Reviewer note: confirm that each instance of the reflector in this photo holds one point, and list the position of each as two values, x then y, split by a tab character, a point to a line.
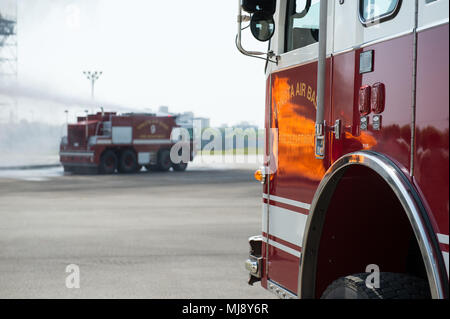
377	98
364	100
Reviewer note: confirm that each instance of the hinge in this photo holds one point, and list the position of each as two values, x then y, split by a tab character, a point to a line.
319	139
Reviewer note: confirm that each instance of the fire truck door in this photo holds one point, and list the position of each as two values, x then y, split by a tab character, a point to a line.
290	114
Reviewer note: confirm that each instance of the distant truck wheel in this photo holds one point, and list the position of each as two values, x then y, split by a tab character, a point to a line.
179	167
128	162
68	169
108	163
164	162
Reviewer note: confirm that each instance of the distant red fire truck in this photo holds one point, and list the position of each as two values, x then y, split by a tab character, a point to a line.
356	174
107	142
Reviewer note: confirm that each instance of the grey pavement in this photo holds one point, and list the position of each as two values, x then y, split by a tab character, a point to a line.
148	235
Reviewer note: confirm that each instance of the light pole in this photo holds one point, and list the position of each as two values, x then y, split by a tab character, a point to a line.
67	117
92	76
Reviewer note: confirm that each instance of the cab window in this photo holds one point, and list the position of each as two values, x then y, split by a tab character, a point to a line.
302	24
377	10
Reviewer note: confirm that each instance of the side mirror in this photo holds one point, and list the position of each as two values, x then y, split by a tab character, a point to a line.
262	26
253	6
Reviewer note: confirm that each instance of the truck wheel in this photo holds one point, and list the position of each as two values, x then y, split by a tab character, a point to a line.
108	163
68	169
164	162
392	286
128	162
180	167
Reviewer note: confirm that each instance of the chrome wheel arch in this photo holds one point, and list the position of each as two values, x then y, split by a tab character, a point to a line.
410	201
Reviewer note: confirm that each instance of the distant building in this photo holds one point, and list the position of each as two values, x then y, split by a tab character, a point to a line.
245	125
185	119
163	109
205	122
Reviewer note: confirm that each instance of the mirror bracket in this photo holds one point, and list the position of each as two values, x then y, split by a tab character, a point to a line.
254	54
243	18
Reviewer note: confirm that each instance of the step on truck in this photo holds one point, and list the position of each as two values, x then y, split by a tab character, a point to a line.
355	182
106	143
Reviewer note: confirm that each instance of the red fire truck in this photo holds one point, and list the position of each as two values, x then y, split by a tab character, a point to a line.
106	142
356	170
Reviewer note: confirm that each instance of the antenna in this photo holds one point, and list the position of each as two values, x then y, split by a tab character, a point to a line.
8	46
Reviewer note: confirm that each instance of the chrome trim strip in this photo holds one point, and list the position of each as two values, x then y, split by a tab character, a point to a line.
82	154
445	256
288	201
279	291
103	142
292	66
267	208
391	37
373	42
142	142
410	201
285	224
433	24
443	239
414	91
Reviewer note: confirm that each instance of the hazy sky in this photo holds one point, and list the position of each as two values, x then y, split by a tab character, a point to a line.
175	53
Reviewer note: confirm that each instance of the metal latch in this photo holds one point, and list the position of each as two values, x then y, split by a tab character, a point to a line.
337	129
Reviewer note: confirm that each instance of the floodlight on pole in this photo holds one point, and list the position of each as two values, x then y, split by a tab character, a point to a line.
92	76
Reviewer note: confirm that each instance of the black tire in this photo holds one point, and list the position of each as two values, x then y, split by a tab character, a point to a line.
181	167
68	169
128	162
392	286
108	162
164	162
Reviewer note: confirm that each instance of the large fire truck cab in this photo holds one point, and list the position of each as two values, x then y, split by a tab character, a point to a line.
356	172
108	142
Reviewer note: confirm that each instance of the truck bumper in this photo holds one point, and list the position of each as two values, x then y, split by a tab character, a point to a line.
77	159
254	263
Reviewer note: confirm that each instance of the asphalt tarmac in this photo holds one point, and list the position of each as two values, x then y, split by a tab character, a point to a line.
147	235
